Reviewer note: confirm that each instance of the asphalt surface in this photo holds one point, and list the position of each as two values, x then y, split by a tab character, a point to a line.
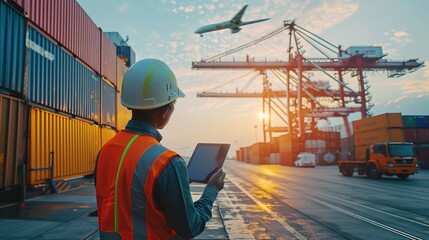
258	202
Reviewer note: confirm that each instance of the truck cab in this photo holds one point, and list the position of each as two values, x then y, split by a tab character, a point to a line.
392	158
305	159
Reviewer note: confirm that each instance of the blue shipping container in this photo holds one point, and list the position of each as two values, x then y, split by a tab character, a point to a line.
421	121
126	53
12	42
58	80
108	104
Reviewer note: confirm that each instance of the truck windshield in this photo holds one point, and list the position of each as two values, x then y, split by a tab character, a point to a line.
401	150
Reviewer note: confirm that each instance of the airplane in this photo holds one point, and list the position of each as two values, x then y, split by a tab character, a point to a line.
234	24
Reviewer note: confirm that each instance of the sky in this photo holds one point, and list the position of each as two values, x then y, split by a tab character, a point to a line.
164	29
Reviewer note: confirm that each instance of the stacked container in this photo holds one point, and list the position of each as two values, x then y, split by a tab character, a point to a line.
260	153
382	128
58	85
416	130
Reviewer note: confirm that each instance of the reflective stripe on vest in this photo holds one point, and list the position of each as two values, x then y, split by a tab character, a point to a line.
115	173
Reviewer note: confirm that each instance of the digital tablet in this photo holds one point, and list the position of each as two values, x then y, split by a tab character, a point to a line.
206	159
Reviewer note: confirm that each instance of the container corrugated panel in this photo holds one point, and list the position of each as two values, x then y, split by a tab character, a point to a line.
127	54
360	152
58	80
123	114
106	135
387	120
12	45
13	141
108	104
67	23
380	135
108	59
422	134
421	121
409	121
410	135
75	145
423	155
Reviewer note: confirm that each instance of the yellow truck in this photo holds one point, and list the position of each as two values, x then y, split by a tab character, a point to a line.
389	158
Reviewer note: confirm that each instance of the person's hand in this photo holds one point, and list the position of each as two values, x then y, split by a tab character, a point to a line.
217	179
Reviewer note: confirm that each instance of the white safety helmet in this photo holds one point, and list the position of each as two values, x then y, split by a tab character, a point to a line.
149	84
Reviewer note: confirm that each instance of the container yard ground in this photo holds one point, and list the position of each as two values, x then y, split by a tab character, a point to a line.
67	215
241	211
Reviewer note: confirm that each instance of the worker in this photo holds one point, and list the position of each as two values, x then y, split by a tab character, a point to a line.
142	187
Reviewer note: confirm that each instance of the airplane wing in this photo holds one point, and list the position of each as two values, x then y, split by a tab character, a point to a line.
237	18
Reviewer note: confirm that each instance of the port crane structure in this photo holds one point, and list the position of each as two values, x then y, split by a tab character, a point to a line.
308	101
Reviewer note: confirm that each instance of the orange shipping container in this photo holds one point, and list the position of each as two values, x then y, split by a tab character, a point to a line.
387	120
75	145
380	135
360	152
260	153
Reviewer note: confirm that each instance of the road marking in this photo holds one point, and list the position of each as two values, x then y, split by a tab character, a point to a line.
391	229
288	227
374	209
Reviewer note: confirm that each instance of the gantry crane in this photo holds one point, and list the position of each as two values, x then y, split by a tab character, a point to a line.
305	98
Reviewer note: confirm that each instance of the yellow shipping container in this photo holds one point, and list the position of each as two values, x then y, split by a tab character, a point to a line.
106	135
387	120
379	135
123	114
75	145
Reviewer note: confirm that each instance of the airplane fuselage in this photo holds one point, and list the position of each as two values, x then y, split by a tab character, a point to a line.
216	27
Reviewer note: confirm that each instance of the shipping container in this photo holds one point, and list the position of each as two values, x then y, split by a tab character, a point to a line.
106	135
108	59
387	120
422	152
12	45
127	54
13	141
360	152
58	80
327	158
260	153
274	158
379	136
370	52
70	26
123	114
248	154
415	121
108	104
74	144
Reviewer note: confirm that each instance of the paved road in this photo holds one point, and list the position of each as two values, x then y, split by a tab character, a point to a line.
278	202
258	202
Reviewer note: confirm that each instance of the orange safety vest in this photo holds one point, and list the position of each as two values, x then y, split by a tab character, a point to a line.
116	166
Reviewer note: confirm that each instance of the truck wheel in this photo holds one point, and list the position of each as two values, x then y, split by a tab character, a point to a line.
372	172
403	176
347	172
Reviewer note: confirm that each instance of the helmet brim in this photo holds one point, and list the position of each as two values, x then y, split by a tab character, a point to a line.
181	94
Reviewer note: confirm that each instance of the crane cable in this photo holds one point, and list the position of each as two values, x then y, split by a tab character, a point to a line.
273	33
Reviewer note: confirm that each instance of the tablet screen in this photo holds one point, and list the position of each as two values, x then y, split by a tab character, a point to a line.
206	159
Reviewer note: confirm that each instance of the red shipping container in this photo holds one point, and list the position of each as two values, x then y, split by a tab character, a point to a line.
67	23
410	135
422	134
108	59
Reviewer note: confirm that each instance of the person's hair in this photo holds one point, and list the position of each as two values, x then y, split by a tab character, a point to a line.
146	114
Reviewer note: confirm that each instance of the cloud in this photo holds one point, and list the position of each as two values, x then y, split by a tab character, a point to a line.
396	100
398	36
327	14
124	7
412	86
